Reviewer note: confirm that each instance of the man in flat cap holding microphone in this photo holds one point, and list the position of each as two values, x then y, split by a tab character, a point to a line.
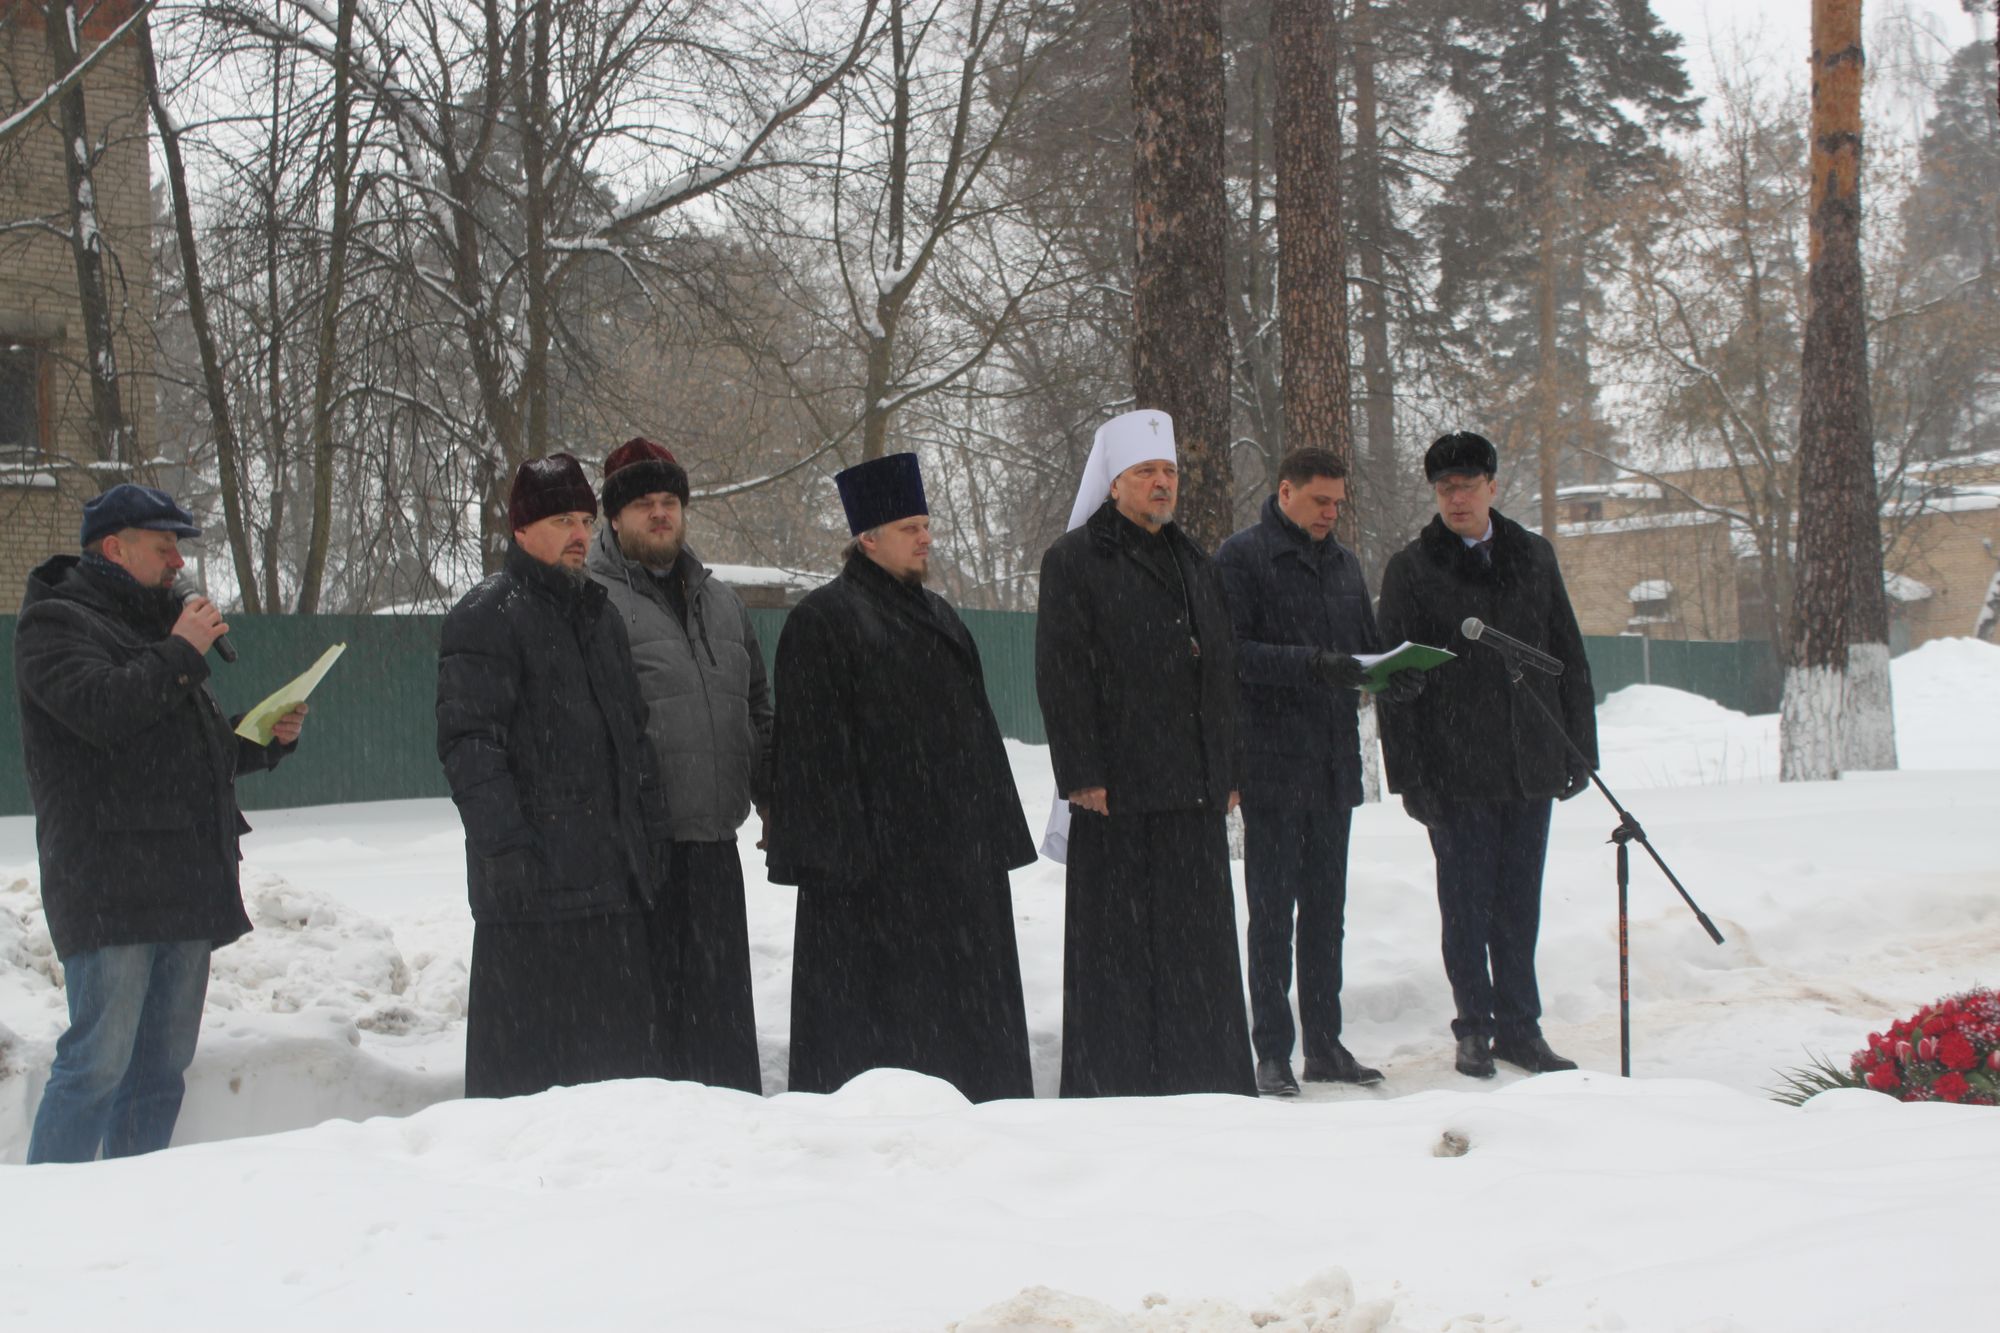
1135	665
893	809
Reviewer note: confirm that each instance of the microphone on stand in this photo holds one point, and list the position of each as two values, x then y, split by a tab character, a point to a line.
185	588
1527	654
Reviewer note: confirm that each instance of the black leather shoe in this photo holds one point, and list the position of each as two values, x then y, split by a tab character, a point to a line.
1475	1060
1274	1079
1340	1067
1532	1055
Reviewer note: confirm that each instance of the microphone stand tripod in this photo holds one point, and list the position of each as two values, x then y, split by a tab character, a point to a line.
1627	832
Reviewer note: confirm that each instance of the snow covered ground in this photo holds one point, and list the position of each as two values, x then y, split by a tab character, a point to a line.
1682	1199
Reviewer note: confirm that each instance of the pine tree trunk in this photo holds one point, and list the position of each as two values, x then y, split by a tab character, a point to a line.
1180	330
1312	269
1836	709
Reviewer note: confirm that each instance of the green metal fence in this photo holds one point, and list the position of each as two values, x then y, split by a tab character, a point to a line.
372	735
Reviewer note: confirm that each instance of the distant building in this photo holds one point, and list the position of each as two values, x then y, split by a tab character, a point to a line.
1675	559
49	463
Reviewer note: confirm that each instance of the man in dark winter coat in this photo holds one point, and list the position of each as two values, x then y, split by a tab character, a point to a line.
132	768
1301	612
1476	763
543	737
1136	671
701	673
894	811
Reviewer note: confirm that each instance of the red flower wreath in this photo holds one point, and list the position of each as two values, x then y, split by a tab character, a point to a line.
1945	1052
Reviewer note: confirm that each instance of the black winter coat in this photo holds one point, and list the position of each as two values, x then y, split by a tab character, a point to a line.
1468	736
543	737
887	760
1129	704
131	766
1289	597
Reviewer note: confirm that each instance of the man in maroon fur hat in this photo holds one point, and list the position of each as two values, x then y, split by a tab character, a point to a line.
701	672
543	736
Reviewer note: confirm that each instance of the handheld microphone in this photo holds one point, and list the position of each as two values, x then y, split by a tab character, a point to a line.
1527	654
185	588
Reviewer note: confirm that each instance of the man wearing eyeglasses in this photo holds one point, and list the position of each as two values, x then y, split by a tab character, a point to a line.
542	732
1476	763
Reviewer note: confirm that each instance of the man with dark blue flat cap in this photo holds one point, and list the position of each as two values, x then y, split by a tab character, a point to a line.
132	769
894	811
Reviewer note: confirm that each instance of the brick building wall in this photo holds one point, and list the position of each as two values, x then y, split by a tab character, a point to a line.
40	322
1603	562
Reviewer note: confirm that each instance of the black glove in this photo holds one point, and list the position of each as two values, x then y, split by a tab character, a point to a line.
1423	807
1339	670
1579	782
1403	686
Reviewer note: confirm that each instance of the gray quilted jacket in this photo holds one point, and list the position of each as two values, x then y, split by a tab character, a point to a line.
708	703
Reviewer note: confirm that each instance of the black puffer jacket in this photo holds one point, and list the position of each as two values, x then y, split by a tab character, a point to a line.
1470	735
131	766
543	737
1128	703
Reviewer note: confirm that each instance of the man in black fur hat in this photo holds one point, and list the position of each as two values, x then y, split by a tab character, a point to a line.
1476	763
894	810
542	732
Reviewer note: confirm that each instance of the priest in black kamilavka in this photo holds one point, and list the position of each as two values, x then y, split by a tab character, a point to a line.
894	811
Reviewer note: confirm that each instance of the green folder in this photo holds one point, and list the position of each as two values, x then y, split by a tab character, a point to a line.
1406	656
257	723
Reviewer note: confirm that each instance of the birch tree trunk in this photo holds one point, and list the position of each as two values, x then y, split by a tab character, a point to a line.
86	236
1180	329
228	450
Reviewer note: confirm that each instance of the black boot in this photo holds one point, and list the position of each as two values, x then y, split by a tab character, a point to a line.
1532	1054
1274	1079
1475	1060
1340	1067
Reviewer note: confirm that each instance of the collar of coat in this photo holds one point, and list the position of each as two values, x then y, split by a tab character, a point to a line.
1296	539
550	581
68	578
912	601
1445	548
608	560
1111	532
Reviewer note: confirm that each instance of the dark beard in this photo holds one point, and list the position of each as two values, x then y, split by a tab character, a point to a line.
654	556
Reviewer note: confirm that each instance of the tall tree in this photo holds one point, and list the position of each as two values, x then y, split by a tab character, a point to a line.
1180	335
62	25
1836	711
1564	102
1312	267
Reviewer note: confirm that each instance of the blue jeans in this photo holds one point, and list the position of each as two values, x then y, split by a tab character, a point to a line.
134	1016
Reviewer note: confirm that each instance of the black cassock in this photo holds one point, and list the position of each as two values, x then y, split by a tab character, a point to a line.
894	810
1136	670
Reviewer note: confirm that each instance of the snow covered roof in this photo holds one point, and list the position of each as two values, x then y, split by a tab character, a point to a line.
769	576
1680	518
1610	490
1904	588
1650	590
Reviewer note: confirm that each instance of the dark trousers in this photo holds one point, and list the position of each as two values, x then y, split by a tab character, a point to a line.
1295	863
700	944
1489	879
555	1003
